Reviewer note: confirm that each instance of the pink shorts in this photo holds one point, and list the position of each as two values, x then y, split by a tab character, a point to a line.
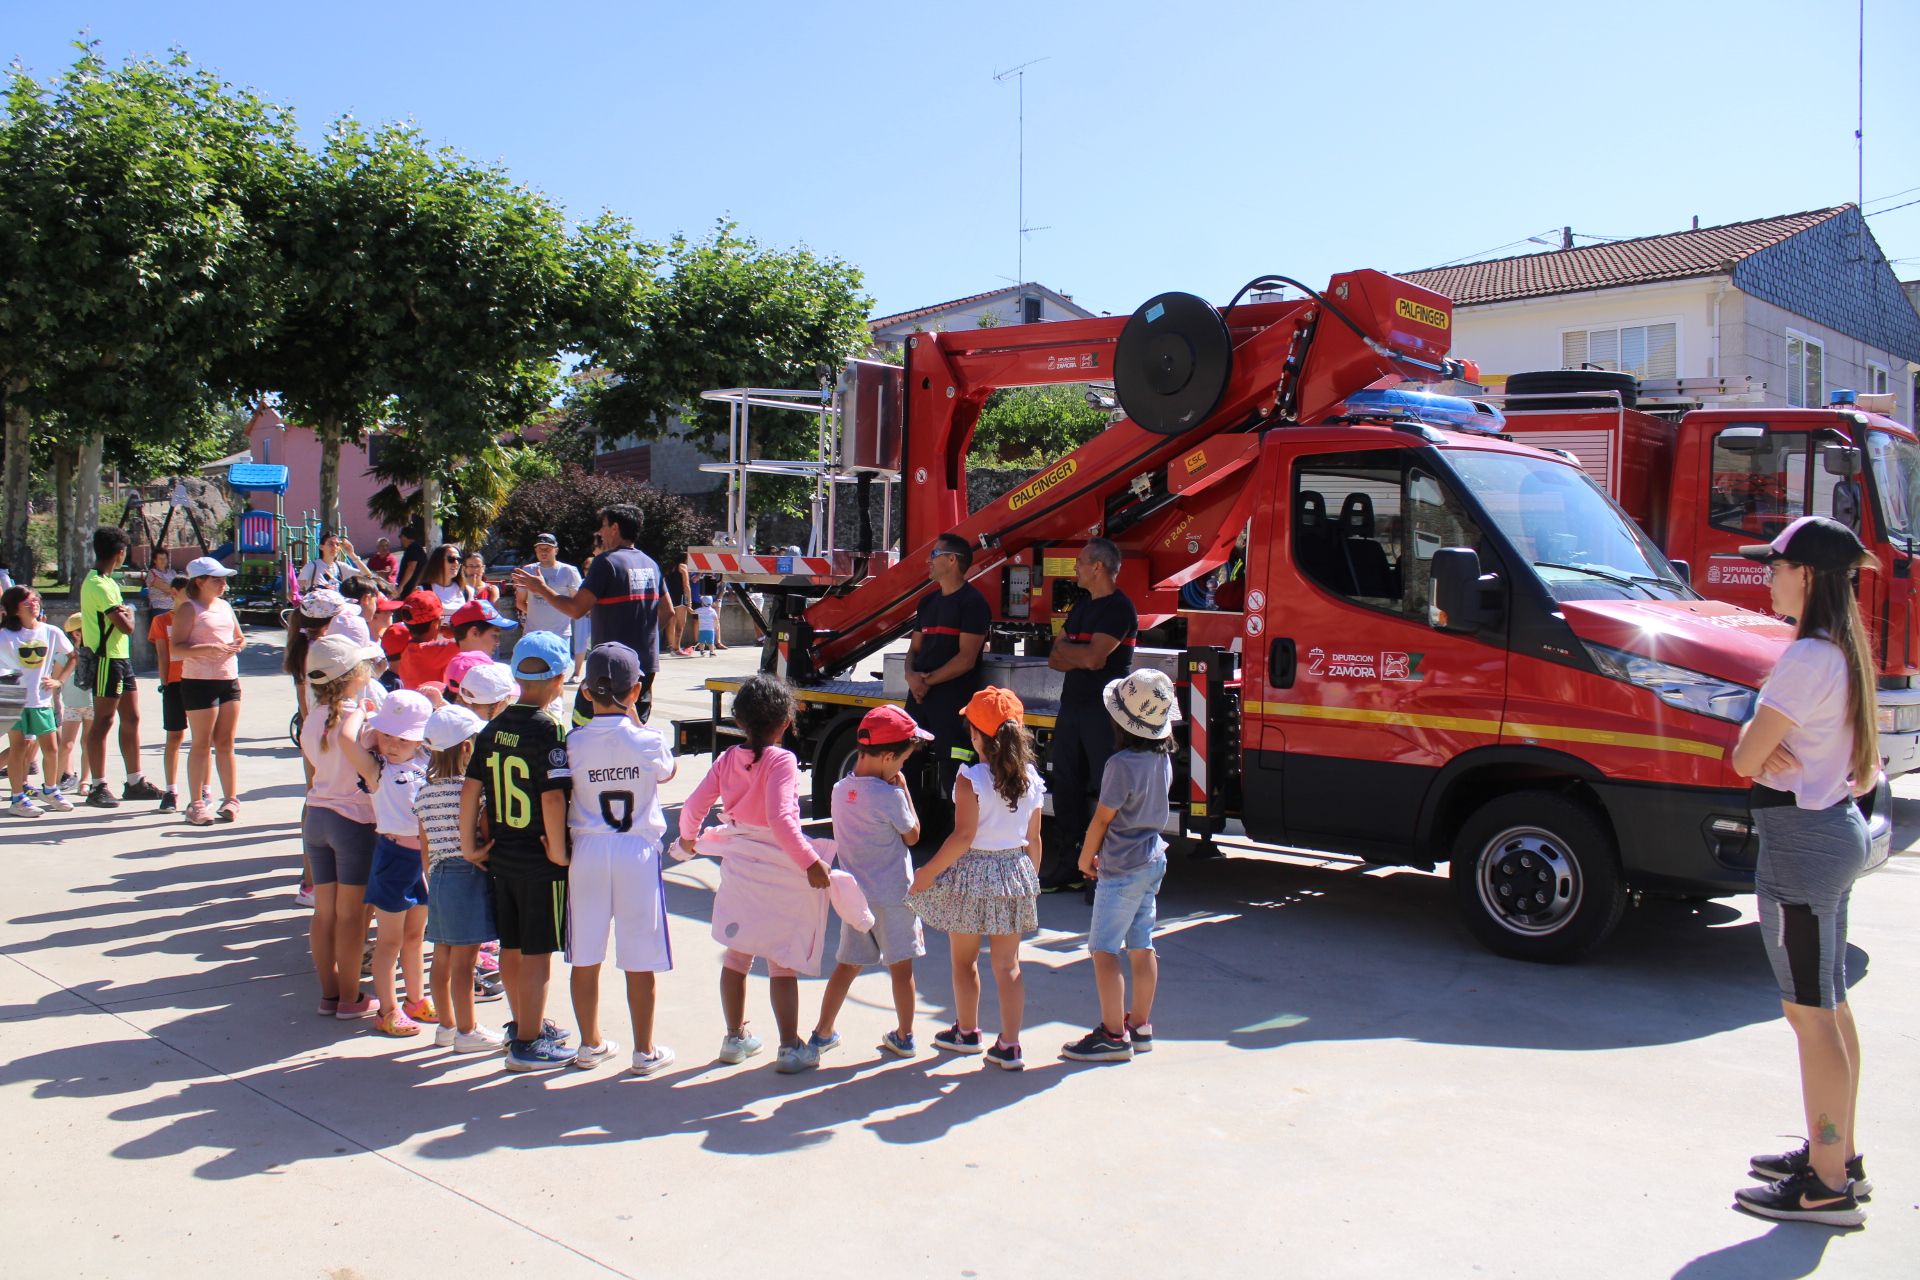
741	962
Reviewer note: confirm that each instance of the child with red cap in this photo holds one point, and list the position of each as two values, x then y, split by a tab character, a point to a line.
873	823
985	881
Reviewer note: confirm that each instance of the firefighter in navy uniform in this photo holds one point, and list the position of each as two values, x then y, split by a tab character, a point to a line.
943	671
1095	646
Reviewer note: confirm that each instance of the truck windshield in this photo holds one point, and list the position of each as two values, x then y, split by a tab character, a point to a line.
1896	483
1579	542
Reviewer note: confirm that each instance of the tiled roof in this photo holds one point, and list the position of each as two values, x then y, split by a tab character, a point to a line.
883	322
1676	256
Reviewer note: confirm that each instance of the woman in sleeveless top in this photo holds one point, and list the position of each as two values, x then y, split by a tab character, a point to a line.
207	640
1811	748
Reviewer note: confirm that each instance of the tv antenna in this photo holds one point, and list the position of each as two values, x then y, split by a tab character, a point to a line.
1019	77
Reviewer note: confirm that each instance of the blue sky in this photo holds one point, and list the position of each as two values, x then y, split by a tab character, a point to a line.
1169	145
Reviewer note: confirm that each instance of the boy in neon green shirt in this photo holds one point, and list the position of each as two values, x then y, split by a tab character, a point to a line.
106	668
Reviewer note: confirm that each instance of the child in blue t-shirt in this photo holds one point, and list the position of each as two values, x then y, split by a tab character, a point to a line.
1127	858
873	823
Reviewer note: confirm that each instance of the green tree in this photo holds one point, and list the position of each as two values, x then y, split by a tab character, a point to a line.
720	311
1033	424
131	206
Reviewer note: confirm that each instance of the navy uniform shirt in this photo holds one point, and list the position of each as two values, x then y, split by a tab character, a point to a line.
518	757
1112	615
941	621
626	587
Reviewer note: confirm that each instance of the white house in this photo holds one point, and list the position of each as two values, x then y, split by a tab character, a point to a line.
1803	304
1016	304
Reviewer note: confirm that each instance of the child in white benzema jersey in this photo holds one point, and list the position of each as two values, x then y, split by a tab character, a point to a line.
616	823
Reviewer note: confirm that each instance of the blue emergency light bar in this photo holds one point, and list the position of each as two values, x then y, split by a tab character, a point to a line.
1395	405
1842	395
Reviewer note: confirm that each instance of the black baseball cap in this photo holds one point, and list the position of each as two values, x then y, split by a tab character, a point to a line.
613	670
1815	541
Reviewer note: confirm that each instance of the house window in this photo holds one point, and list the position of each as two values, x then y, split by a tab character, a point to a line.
1029	311
1643	350
266	449
1879	379
1806	371
377	446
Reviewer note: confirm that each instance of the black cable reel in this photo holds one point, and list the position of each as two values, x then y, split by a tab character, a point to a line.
1172	362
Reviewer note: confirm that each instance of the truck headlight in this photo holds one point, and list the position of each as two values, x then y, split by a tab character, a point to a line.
1902	718
1693	691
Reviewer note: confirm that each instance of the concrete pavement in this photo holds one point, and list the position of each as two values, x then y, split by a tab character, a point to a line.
1345	1085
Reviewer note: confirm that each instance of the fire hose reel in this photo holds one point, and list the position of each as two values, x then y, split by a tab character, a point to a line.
1172	362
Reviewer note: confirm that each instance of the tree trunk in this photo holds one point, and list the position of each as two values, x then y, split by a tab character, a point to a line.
13	490
430	509
86	511
330	437
63	511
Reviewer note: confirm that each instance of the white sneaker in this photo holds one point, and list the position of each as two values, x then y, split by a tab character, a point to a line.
304	898
737	1049
479	1040
24	807
51	798
588	1056
645	1064
444	1036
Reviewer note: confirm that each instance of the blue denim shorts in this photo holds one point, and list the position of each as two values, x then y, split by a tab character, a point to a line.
1123	909
396	883
460	913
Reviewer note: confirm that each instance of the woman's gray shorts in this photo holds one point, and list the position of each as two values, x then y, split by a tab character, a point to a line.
1809	859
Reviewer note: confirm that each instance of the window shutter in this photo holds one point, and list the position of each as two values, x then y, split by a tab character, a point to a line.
1663	351
1796	373
1633	351
1573	348
1816	376
1603	348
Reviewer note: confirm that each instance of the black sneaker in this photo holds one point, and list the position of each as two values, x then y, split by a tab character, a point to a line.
954	1040
100	797
1098	1045
170	802
141	790
1803	1198
1006	1057
1791	1164
1140	1037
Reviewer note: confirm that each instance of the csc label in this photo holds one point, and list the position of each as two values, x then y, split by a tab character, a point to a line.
1419	313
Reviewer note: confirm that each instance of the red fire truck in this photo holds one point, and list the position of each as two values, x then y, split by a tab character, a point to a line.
1422	669
1702	482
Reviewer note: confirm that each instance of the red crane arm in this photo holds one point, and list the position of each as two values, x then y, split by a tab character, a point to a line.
1292	361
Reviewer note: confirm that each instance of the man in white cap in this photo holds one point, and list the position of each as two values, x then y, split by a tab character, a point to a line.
535	611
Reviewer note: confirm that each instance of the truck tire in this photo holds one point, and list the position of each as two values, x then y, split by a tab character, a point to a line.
838	751
1550	381
1549	853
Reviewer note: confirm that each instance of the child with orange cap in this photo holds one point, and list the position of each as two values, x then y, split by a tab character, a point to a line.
985	881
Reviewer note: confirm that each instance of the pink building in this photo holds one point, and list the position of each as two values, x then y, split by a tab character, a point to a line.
272	439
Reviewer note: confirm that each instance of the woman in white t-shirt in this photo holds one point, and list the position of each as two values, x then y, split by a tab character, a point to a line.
442	577
1811	748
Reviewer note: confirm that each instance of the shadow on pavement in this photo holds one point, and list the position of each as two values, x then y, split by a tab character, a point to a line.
1788	1251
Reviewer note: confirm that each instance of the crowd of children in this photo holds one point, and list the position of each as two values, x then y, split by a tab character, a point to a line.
462	812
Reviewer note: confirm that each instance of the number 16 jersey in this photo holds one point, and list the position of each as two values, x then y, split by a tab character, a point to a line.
519	757
617	767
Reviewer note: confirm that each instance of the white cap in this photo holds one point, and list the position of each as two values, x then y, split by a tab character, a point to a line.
331	657
449	726
352	626
491	683
208	567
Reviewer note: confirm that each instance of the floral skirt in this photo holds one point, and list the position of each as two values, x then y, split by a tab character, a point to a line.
989	891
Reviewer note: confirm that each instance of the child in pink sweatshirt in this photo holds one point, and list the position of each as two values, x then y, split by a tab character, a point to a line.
758	784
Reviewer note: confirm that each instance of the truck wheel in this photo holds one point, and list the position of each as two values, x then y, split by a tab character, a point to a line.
835	761
1554	381
1536	877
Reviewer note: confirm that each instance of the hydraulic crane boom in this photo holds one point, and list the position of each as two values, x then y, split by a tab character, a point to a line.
1184	374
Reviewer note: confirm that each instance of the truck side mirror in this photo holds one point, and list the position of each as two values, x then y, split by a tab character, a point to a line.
1746	438
1842	462
1684	568
1459	601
